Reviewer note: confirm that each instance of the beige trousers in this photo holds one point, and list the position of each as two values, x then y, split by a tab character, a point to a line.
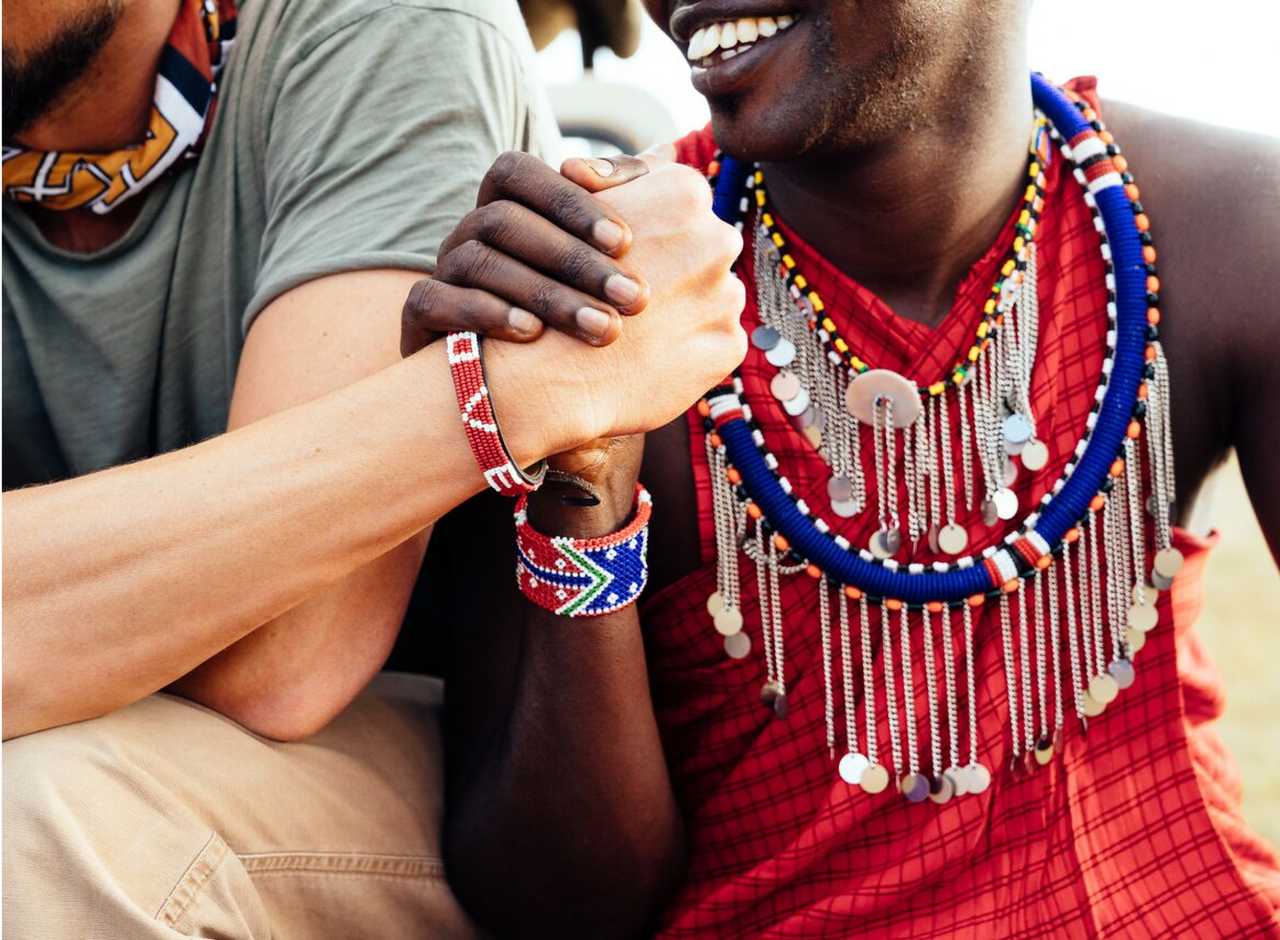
166	819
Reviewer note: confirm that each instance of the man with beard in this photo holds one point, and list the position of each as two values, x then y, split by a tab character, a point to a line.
171	274
917	547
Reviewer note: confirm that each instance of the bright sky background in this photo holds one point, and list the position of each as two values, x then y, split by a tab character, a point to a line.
1217	62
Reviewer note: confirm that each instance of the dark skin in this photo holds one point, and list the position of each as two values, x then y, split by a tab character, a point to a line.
546	752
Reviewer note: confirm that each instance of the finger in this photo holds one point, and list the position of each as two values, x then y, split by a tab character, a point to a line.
477	265
526	236
596	174
525	179
434	307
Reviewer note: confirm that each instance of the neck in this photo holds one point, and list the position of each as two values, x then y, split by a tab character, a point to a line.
908	217
109	106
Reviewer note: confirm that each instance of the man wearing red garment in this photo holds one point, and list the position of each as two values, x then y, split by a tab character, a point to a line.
617	775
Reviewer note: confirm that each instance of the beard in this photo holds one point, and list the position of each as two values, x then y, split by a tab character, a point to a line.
36	80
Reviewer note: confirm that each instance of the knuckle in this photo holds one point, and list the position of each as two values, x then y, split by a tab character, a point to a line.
568	207
469	260
547	300
420	299
506	168
491	221
575	264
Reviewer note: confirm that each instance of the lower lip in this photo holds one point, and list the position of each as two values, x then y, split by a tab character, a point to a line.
732	75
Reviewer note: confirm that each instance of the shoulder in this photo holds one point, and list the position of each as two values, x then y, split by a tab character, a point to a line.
1213	196
295	29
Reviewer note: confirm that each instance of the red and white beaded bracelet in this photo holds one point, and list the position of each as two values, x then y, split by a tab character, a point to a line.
501	472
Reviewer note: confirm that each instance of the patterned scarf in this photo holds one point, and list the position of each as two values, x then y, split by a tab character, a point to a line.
181	113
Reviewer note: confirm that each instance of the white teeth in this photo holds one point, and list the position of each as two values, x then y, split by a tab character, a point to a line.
733	37
695	44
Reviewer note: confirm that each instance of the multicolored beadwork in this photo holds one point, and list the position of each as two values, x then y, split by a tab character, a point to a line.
501	472
584	577
1091	519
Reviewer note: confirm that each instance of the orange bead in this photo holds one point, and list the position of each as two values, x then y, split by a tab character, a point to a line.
1142	390
1097	502
1131	190
934	607
1044	561
1009	587
734	476
1106	137
713	168
1149	254
1134	430
813	571
852	593
977	600
715	440
892	604
1089	114
1142	222
754	511
1117	467
1120	163
1150	354
1153	316
1072	535
781	544
1153	284
703	408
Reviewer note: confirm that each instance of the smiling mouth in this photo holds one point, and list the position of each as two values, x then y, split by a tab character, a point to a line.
720	42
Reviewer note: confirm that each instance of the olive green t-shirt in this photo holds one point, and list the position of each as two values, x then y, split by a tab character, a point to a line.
349	134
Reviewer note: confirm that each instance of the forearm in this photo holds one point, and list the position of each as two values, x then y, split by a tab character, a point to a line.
561	819
119	582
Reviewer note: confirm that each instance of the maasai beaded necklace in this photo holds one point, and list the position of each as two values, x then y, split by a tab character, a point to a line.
819	392
1047	570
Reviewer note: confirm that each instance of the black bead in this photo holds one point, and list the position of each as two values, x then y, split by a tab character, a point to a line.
1153	300
1153	333
1140	409
1149	370
1107	485
1150	268
1144	238
1137	206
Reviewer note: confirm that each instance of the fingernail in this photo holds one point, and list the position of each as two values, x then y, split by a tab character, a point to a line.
607	234
621	289
522	321
602	167
593	322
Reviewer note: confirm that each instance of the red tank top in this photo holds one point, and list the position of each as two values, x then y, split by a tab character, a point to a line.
1133	829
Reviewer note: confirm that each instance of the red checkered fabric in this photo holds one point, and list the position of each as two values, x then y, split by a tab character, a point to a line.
1134	828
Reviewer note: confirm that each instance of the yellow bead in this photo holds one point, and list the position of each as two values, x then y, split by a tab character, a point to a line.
841	345
982	329
767	219
1019	243
937	388
759	177
801	283
760	198
1008	267
973	354
828	325
989	307
814	299
777	239
1034	169
1024	217
957	378
789	261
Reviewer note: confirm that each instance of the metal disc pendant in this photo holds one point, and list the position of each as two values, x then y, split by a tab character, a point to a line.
953	539
932	538
886	543
1122	671
1143	617
1010	474
798	405
785	386
915	787
1043	751
875	778
765	338
1006	504
1145	594
877	385
845	509
769	694
990	513
1135	640
1160	582
941	789
738	646
780	706
1016	430
728	621
1103	689
958	778
1035	455
1168	562
1092	707
715	603
840	489
852	767
813	436
782	354
979	778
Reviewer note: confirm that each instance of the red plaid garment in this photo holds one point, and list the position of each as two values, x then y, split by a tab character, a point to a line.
1134	828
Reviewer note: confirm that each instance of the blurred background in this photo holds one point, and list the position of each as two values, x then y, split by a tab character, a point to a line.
1216	63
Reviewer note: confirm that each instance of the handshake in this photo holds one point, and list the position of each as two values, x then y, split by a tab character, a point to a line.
643	274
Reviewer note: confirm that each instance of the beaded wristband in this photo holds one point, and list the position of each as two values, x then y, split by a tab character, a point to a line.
501	472
584	577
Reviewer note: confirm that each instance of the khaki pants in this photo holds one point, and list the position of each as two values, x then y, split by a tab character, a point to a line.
166	819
